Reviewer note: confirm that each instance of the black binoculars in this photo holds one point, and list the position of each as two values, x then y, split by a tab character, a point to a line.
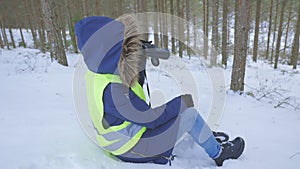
155	53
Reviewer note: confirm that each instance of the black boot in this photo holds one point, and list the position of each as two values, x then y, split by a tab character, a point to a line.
231	150
221	137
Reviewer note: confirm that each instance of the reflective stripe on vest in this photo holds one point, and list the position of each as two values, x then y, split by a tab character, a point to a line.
114	139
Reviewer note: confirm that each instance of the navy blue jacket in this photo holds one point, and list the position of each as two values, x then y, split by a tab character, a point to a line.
125	105
120	103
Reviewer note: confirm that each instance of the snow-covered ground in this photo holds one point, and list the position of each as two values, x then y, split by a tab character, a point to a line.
39	127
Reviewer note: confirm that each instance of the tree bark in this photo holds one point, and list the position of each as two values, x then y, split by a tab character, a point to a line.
57	51
4	33
187	17
172	27
239	62
275	28
144	9
214	34
279	34
269	30
21	26
62	27
1	41
120	7
180	29
165	25
155	23
160	26
287	28
295	48
23	43
71	27
257	21
205	27
97	8
84	11
38	25
195	28
30	24
224	32
12	37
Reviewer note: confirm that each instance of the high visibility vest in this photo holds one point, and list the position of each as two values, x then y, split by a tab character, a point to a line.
114	139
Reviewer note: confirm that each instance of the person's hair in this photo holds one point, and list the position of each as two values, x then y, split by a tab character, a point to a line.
131	60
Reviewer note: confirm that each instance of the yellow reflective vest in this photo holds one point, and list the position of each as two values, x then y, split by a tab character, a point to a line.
112	139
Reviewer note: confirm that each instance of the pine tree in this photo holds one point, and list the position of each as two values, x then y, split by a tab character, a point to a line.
279	34
257	21
295	48
57	50
274	30
287	27
224	32
205	27
241	44
269	30
215	32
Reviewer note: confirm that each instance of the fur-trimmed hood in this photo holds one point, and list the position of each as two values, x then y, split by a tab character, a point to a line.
111	46
132	59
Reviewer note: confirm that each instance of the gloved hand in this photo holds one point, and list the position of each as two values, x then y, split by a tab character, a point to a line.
188	100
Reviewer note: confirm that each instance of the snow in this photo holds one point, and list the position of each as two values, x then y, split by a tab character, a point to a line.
39	126
40	129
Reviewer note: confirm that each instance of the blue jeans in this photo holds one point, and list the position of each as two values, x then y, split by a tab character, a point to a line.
192	123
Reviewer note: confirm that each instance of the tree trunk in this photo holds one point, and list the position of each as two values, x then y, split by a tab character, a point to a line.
62	27
205	27
215	23
42	29
18	16
38	25
172	26
30	24
287	28
257	21
195	28
160	27
165	26
269	30
295	48
71	27
23	43
120	7
180	28
3	28
83	5
187	17
97	8
55	38
4	33
236	8
239	62
12	37
214	34
224	32
155	23
275	28
146	36
279	34
1	41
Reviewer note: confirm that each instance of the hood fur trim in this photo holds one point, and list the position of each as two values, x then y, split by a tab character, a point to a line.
132	59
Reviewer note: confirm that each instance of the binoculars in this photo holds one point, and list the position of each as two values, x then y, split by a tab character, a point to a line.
155	53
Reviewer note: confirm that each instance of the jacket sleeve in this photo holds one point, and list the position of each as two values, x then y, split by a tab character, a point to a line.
125	105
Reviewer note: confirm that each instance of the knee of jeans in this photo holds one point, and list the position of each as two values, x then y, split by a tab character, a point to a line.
189	116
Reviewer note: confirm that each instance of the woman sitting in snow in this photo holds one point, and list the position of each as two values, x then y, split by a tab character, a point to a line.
127	127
